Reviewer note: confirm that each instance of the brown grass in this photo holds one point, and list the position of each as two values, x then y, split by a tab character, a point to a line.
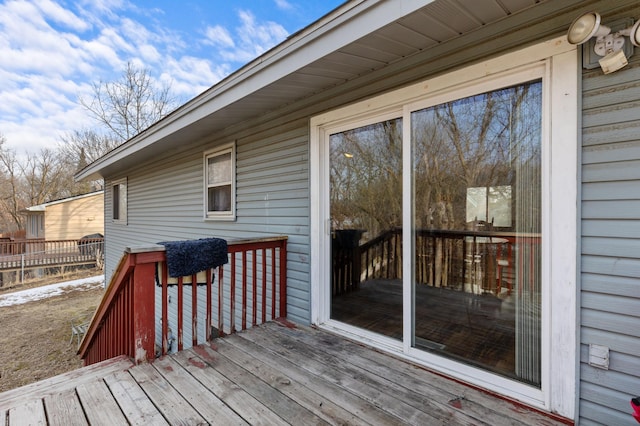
34	337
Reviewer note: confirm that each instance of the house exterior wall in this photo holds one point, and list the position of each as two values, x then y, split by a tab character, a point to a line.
165	202
74	219
165	198
166	193
610	240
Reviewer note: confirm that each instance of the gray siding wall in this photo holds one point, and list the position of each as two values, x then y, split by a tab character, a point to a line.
610	278
165	202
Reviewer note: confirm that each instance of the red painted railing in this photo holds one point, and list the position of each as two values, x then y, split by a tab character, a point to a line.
125	321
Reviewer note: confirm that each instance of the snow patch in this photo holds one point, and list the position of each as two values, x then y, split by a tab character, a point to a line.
38	293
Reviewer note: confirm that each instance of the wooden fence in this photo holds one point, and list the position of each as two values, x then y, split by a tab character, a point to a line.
29	254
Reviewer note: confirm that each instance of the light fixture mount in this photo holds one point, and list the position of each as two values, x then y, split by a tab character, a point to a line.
604	46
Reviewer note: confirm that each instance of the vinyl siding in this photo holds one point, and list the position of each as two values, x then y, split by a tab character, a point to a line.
610	243
166	196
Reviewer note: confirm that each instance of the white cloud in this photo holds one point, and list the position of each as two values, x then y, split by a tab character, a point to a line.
52	51
252	38
219	36
189	75
62	16
283	5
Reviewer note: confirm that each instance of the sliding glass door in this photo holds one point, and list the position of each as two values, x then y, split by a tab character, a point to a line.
444	223
476	230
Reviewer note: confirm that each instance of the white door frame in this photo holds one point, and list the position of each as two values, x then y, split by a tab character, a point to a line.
556	62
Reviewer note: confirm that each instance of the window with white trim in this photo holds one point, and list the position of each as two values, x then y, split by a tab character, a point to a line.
220	185
119	201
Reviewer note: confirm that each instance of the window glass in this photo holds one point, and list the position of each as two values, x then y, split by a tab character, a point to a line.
219	168
220	183
220	198
119	201
477	230
366	227
116	202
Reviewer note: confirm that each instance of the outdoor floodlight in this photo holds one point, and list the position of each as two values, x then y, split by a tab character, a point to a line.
608	45
586	26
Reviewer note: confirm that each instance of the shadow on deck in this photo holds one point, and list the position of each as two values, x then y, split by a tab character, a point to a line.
269	374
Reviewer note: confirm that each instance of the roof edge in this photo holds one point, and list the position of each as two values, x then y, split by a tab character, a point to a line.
43	206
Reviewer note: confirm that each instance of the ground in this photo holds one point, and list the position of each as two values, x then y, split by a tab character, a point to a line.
34	336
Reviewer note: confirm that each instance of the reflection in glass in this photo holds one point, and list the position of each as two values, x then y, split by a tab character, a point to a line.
476	230
366	219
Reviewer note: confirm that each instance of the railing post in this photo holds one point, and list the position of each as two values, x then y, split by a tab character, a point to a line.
283	279
144	312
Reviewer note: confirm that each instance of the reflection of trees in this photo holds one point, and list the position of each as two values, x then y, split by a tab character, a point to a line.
366	178
487	140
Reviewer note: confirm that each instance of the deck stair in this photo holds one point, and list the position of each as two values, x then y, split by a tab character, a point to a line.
273	374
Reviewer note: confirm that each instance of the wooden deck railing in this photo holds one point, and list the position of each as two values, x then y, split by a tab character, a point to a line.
443	258
140	293
15	255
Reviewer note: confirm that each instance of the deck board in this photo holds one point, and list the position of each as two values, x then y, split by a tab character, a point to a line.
28	413
64	409
362	410
206	403
67	380
281	380
269	375
105	411
475	403
432	394
135	405
343	374
279	403
236	398
174	408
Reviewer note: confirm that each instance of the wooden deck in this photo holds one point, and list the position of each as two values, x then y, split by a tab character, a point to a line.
269	375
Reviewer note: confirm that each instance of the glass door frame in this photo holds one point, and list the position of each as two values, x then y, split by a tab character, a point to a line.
555	62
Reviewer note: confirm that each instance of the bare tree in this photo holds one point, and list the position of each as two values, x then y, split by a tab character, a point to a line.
81	147
10	190
45	177
129	105
27	181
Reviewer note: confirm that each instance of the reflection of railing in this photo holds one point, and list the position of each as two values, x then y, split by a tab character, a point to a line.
16	255
480	260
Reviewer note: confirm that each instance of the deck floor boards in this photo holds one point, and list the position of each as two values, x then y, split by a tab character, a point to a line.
106	411
267	375
64	409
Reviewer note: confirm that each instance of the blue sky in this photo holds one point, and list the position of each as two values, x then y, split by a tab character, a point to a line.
51	51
